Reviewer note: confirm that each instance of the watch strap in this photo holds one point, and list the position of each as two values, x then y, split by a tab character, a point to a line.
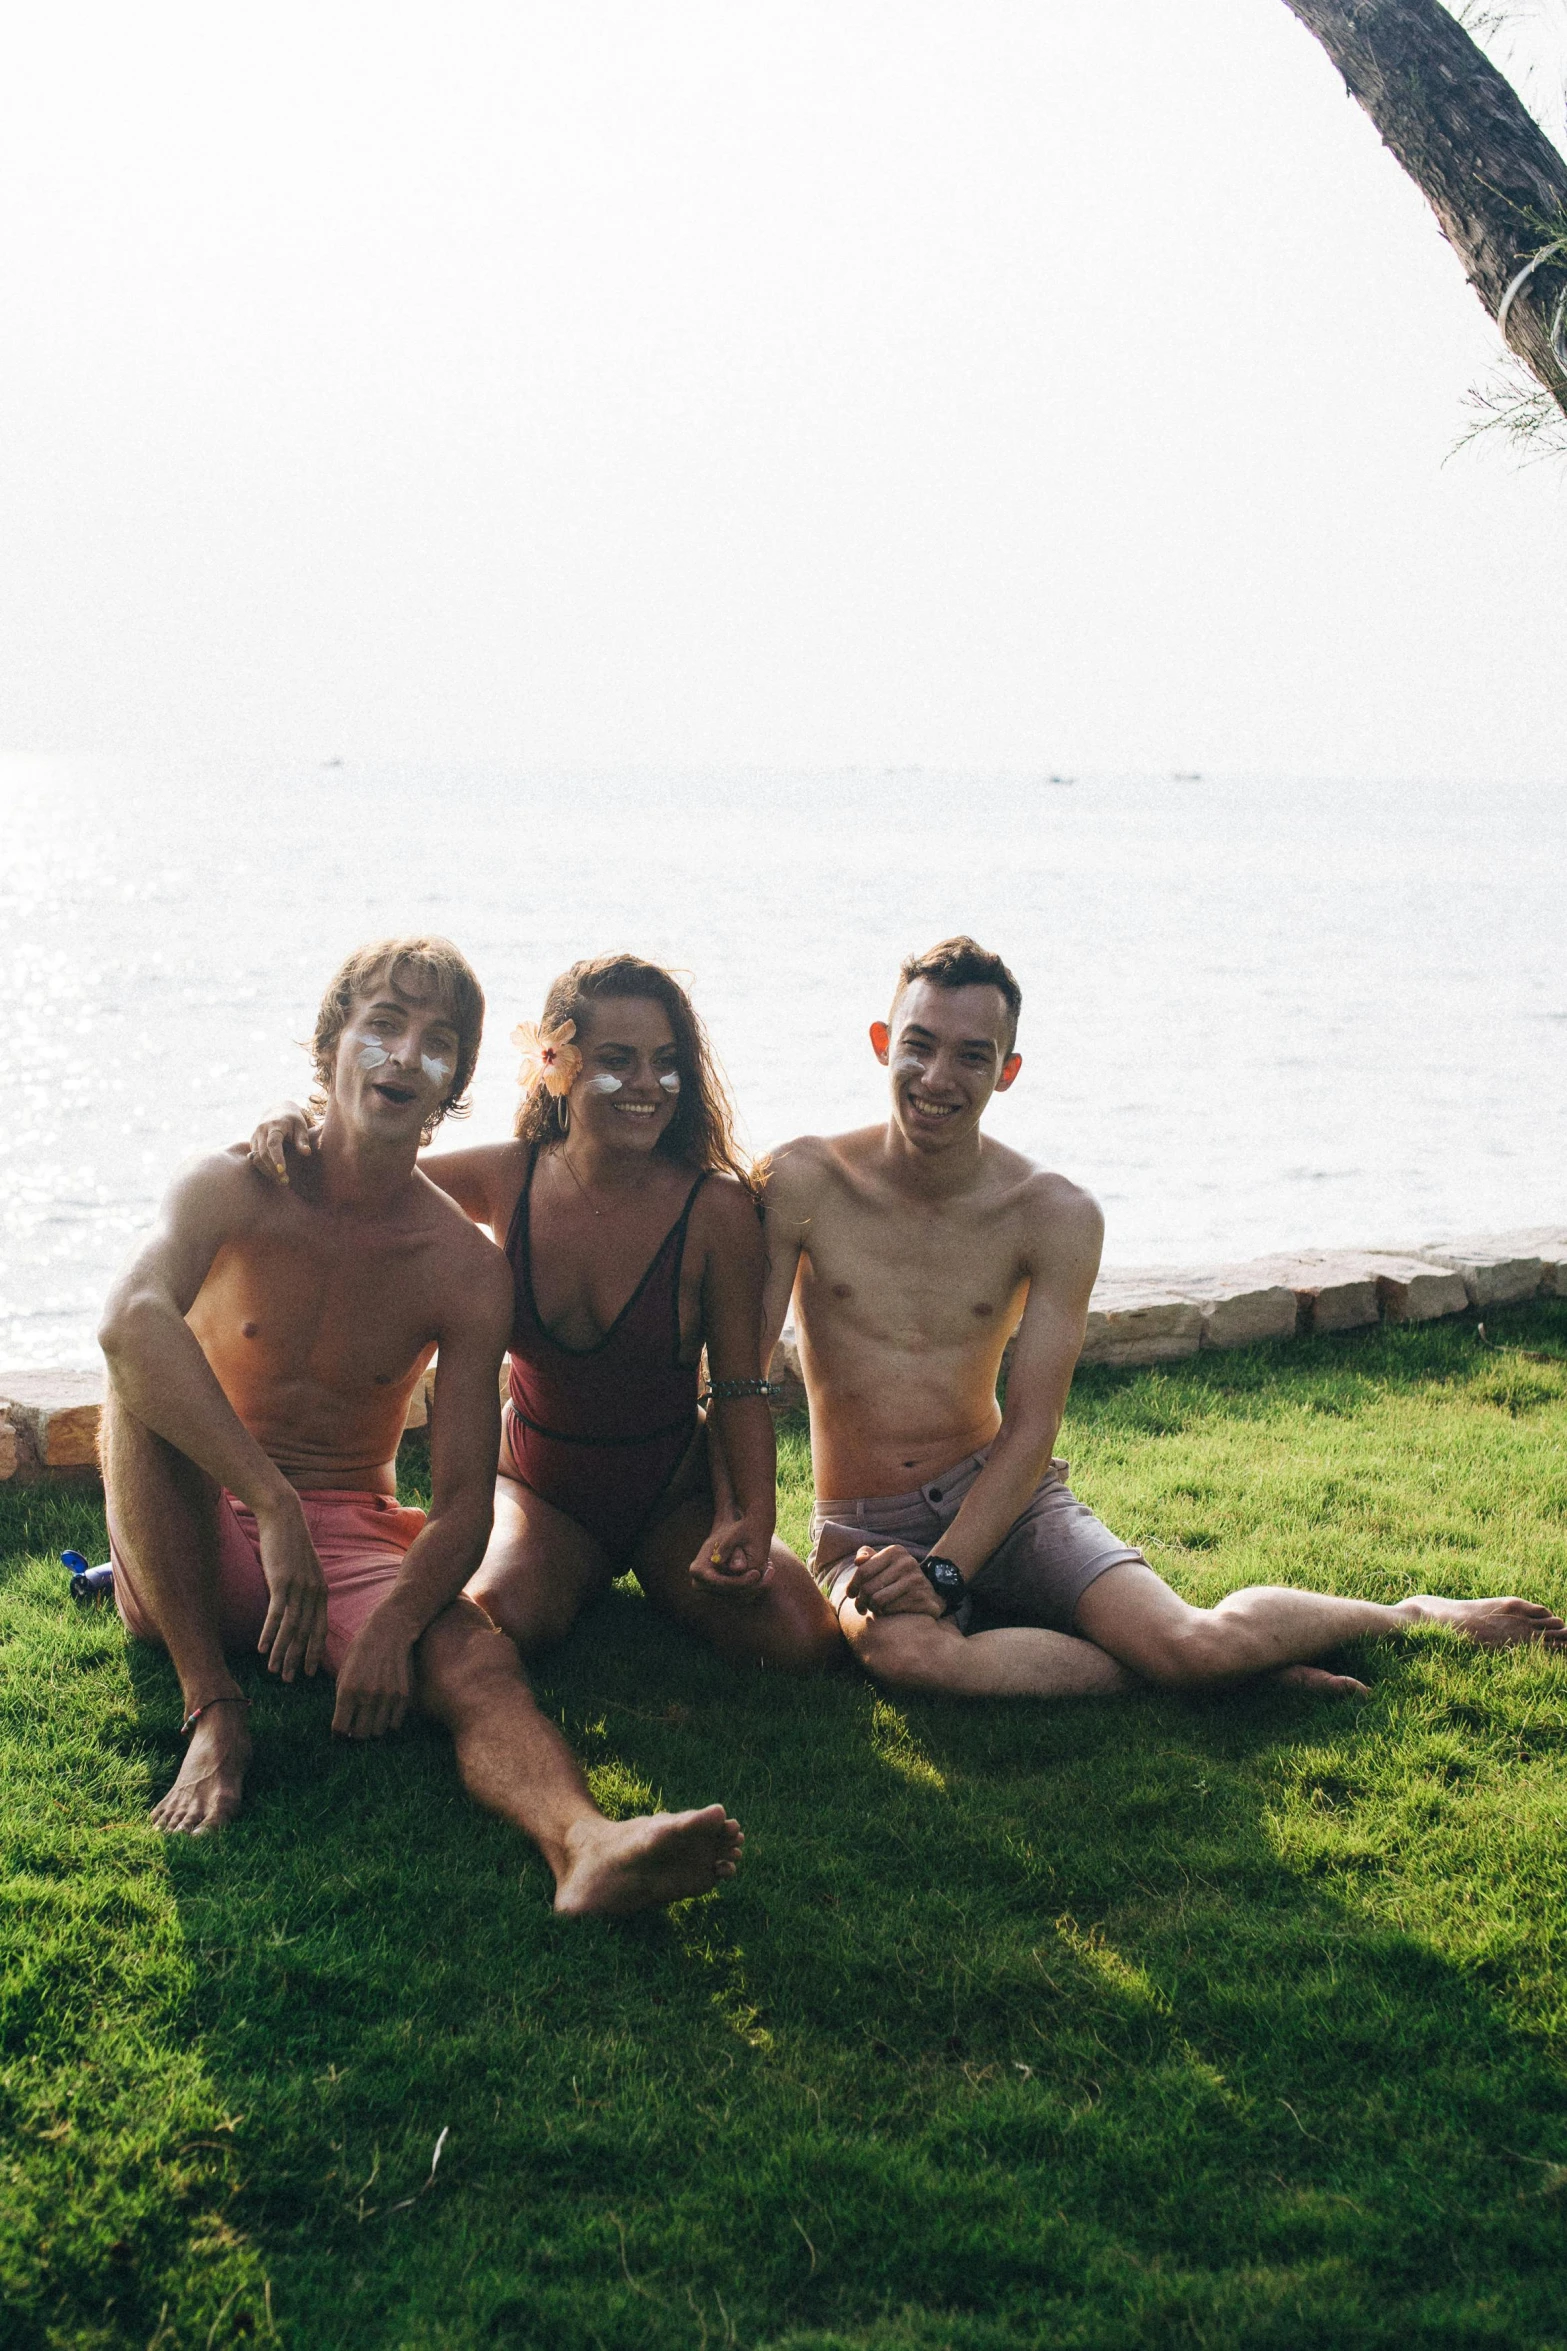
953	1599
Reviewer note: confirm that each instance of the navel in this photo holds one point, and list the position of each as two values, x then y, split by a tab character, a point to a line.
250	1330
843	1290
982	1308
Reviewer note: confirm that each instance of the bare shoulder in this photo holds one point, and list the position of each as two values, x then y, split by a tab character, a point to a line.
799	1174
725	1210
466	1249
1063	1224
220	1189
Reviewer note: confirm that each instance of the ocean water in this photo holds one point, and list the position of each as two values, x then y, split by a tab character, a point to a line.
1257	1013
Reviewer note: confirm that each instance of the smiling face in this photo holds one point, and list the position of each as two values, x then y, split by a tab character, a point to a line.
948	1050
629	1087
396	1062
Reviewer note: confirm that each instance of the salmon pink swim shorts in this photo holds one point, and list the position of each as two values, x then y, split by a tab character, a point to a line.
360	1540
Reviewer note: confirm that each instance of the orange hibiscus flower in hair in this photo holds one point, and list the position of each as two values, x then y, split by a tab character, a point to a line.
547	1054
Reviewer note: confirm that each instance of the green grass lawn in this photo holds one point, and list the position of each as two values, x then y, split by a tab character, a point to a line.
1135	2024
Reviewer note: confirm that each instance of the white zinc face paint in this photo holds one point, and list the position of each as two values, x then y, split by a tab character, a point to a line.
670	1081
373	1056
907	1065
604	1083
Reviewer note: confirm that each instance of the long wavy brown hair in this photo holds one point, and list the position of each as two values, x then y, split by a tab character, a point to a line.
702	1132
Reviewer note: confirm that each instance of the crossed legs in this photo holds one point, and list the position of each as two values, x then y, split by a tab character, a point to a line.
1274	1629
1130	1627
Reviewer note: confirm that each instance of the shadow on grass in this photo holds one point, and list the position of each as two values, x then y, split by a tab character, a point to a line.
1104	2026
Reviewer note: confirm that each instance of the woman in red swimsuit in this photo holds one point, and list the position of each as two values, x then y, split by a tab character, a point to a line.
627	1213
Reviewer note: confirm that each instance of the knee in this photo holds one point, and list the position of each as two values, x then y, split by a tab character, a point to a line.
1190	1653
894	1653
805	1645
464	1663
531	1623
129	1449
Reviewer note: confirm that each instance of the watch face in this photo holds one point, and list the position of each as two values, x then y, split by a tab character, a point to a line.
945	1577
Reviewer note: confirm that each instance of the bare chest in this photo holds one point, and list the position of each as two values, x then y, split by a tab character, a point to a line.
590	1271
350	1311
913	1279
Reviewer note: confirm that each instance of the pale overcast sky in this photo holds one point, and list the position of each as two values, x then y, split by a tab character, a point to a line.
994	382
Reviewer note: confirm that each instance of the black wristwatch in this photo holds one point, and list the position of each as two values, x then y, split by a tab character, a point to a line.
946	1581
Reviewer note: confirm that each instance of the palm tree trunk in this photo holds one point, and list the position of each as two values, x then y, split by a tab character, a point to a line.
1495	182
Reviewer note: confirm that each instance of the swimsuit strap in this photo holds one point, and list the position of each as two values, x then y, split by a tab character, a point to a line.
680	1258
519	1250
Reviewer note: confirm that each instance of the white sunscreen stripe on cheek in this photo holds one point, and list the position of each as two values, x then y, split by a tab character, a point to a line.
908	1065
436	1071
670	1081
602	1084
372	1056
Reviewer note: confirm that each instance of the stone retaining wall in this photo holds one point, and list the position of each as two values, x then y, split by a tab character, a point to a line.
49	1419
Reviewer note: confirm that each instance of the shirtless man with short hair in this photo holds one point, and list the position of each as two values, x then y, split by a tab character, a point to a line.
262	1349
960	1561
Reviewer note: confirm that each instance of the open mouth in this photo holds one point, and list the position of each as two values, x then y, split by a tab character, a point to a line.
398	1094
636	1109
924	1107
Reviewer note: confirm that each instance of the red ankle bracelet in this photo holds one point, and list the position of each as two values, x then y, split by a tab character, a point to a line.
196	1712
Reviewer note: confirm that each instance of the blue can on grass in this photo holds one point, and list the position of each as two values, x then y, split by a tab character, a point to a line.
87	1583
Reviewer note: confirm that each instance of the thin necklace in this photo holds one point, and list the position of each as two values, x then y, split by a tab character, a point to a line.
581	1186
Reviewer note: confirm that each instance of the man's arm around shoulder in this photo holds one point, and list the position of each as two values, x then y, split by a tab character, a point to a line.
375	1681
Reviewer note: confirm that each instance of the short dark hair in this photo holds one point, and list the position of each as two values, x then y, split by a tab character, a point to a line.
963	963
415	969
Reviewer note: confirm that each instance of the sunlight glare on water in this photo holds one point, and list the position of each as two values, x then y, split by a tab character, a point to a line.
1257	1014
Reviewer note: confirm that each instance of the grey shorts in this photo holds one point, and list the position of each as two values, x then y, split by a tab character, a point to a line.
1036	1575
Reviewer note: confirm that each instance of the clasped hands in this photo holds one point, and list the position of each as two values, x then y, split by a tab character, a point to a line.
736	1559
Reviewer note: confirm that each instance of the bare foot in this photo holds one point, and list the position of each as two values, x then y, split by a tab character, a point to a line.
211	1779
617	1866
1320	1683
1495	1624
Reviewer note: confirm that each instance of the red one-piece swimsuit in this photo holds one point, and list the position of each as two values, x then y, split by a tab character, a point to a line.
600	1431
